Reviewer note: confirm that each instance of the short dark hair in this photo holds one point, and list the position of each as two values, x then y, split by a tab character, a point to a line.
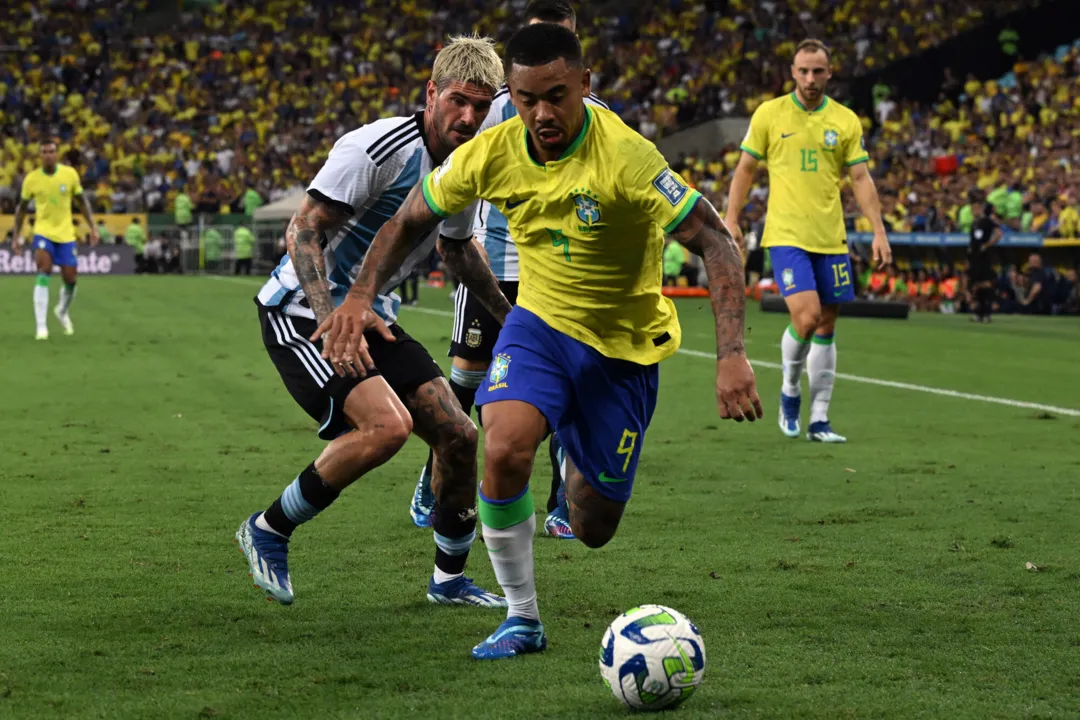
552	11
813	45
541	44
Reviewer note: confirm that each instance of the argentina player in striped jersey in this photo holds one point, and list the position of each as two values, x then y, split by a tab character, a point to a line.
368	404
475	330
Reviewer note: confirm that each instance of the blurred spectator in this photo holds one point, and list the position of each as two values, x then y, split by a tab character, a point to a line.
244	243
182	209
135	236
213	247
105	235
1070	293
237	93
1036	299
153	256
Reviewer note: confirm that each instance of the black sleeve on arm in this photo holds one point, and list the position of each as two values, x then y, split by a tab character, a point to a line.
336	204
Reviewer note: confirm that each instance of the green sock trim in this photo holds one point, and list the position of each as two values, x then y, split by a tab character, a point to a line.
42	280
501	515
826	340
70	288
792	333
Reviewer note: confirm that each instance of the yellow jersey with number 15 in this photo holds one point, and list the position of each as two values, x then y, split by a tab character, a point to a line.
589	228
52	195
807	153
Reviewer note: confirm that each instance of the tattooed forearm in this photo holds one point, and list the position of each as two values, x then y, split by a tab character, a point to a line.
391	245
465	261
87	211
704	234
20	212
304	239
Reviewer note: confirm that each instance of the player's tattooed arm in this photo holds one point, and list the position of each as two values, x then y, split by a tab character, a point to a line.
466	261
88	213
390	247
305	239
704	234
20	215
87	210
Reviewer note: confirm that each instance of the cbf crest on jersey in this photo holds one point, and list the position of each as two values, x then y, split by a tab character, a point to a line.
588	207
500	367
788	278
63	188
832	138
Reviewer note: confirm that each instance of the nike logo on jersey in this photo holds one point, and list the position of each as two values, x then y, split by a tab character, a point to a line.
511	205
785	136
605	478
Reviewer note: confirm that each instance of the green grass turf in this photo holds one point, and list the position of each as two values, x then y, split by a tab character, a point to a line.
884	578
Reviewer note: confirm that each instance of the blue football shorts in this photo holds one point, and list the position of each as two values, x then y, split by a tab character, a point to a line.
797	270
598	406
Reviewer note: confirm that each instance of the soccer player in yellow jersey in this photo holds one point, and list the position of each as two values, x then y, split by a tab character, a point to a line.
808	141
53	187
588	201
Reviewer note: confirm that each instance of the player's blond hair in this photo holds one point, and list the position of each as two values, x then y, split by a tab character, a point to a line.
469	59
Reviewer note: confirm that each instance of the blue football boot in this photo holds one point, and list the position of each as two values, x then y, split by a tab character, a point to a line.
267	554
516	636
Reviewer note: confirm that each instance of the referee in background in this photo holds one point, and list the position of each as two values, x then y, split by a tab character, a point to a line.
985	233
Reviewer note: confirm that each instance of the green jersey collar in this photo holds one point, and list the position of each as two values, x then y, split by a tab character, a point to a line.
572	147
819	108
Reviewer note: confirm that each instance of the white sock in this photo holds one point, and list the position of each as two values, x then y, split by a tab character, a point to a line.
821	366
41	306
260	522
441	577
67	296
793	351
511	553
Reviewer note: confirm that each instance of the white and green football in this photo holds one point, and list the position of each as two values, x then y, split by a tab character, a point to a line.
652	657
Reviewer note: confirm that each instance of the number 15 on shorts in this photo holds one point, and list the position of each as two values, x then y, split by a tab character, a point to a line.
841	276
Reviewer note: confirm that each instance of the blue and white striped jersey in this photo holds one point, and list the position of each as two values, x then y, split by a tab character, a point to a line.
490	227
371	170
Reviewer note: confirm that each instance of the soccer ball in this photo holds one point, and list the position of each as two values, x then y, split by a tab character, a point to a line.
652	657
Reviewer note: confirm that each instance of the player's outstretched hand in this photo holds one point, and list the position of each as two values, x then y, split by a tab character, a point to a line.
882	251
736	389
342	334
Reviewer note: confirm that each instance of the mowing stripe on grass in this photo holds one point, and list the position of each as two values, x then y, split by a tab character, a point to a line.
915	388
843	376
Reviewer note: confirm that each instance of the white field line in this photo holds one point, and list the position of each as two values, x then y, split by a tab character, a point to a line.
777	366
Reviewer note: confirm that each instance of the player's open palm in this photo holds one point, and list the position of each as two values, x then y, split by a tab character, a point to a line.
736	389
342	333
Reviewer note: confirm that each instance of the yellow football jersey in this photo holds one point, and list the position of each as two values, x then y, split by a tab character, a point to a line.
806	152
589	228
52	195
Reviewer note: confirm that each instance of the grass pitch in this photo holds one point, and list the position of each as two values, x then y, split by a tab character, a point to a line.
884	578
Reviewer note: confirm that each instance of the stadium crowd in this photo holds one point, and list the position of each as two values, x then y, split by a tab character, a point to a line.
286	77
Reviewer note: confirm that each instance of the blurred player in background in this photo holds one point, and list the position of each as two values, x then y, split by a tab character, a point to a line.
807	142
475	330
588	201
368	403
53	188
985	234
